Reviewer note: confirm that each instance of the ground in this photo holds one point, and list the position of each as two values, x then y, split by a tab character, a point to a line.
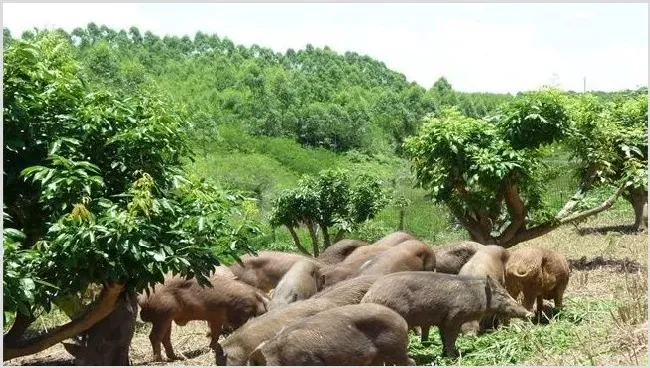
604	321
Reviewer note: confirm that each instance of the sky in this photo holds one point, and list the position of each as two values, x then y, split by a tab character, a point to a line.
477	47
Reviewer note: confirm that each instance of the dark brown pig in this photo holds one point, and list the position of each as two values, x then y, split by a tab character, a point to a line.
235	349
411	255
227	303
435	299
539	273
298	283
367	334
338	251
451	257
265	270
349	291
490	261
393	239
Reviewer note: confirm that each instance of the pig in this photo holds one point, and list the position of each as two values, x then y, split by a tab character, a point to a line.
332	274
236	348
349	291
411	255
490	261
451	257
228	303
368	334
265	270
299	283
539	273
393	239
428	299
337	252
224	271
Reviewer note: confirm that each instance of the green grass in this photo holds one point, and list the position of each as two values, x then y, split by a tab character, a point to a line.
519	341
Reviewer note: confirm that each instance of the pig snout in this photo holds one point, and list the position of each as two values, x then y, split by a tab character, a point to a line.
511	308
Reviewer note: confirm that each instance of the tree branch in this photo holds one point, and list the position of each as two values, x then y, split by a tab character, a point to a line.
547	227
579	194
95	313
517	211
474	228
339	235
314	237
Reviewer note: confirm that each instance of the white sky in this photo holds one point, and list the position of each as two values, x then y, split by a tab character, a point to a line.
477	47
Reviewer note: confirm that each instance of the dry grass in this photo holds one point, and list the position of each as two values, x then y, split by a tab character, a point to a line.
618	336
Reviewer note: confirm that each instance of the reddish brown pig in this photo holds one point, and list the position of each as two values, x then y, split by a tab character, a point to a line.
490	261
299	283
411	255
227	303
337	252
436	299
368	334
393	239
451	257
265	270
539	273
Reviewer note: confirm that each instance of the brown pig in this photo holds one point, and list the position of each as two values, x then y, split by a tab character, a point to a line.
393	239
368	334
451	257
235	349
298	283
539	273
349	291
332	274
227	303
411	255
338	251
436	299
490	261
265	270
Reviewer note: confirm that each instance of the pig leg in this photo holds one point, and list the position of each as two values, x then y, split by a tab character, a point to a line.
540	307
167	344
424	338
215	332
157	335
450	332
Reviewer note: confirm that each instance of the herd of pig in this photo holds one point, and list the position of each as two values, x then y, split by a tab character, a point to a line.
356	302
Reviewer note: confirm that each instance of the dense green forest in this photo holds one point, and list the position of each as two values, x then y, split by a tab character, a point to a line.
260	119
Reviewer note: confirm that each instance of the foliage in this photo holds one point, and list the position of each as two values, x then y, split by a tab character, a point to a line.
93	186
332	199
490	173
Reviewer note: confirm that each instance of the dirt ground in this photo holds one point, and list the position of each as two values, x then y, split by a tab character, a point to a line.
625	343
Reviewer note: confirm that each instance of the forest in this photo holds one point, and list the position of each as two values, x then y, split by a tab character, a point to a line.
129	155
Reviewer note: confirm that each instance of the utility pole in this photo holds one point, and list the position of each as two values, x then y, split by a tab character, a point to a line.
584	85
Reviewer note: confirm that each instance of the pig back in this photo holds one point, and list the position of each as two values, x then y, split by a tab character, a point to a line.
411	255
428	298
265	270
237	347
451	257
349	291
338	251
393	239
487	261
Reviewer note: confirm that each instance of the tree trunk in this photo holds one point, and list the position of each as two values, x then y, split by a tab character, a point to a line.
296	240
314	237
402	212
108	342
326	237
17	347
638	198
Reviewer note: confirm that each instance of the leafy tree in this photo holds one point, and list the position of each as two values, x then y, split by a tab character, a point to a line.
611	143
489	173
332	199
94	194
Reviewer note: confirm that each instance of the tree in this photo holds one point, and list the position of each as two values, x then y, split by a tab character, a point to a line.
611	142
94	194
332	199
489	173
